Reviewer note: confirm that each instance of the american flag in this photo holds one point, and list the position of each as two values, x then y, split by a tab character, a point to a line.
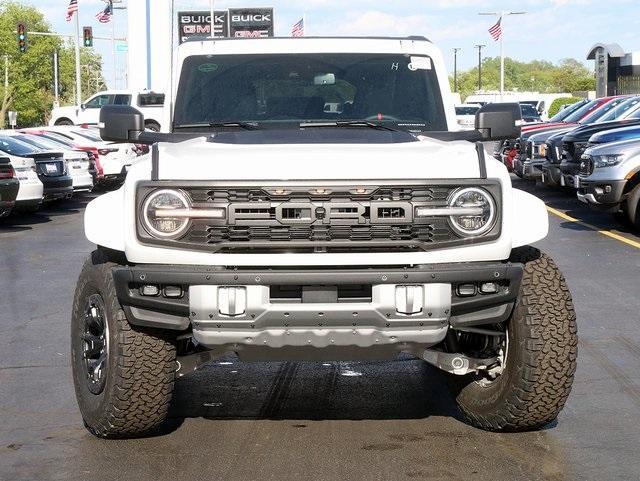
105	15
73	8
298	29
496	30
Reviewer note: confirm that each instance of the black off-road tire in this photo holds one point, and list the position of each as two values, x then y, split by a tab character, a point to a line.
141	363
541	357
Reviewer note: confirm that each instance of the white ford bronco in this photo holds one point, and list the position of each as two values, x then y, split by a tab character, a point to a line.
312	200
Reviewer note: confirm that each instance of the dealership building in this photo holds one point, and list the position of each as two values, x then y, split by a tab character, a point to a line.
617	72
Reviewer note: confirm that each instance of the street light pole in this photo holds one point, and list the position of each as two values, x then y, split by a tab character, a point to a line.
501	15
480	47
455	69
212	17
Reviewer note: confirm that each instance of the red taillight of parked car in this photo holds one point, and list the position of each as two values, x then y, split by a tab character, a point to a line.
94	157
7	172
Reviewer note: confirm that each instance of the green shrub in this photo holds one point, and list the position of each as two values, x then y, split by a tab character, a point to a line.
558	103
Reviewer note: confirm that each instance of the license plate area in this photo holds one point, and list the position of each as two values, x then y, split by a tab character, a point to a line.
252	307
51	168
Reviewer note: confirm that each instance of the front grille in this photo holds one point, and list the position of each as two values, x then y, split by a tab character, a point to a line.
529	150
326	218
568	149
431	232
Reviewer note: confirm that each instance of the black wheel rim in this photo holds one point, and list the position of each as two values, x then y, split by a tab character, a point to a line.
95	344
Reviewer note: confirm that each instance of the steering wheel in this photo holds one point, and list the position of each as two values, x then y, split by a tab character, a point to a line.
373	118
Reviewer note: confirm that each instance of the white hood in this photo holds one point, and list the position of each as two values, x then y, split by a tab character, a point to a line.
199	159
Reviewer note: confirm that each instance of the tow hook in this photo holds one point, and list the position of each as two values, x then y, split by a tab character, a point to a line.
457	364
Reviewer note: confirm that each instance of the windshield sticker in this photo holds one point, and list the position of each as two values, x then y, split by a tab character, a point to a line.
208	67
420	63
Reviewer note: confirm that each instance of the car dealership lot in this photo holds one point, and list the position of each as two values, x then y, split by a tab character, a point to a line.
337	420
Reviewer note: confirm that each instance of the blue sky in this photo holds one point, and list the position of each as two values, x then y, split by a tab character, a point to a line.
552	29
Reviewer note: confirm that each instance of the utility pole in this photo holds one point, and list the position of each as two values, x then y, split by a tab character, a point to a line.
480	47
455	68
501	16
113	35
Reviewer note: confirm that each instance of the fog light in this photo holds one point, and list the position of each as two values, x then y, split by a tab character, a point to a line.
173	291
607	189
467	290
488	287
232	301
149	290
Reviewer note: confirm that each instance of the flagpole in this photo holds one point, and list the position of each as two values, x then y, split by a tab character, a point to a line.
501	15
502	58
78	78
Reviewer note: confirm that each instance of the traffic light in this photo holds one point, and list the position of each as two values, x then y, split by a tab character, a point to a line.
22	37
88	36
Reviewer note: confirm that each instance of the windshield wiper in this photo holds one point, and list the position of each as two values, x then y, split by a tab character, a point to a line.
218	125
348	123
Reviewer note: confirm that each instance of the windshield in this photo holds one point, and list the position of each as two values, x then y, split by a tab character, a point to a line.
401	91
565	112
35	141
58	137
529	110
15	147
461	110
597	115
87	134
617	112
583	111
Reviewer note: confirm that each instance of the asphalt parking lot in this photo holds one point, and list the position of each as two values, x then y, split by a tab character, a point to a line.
317	421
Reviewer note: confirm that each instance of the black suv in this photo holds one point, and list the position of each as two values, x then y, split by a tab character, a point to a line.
50	166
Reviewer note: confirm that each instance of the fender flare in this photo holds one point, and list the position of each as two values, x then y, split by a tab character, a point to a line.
530	219
104	220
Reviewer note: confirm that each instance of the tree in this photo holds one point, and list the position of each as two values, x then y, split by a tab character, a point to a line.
30	90
538	75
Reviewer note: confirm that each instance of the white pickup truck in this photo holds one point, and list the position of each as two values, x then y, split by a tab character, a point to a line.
266	224
149	103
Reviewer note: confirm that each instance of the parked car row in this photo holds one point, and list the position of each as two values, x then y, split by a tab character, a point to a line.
592	147
466	114
46	164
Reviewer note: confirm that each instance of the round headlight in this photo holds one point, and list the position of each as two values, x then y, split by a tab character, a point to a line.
482	220
157	213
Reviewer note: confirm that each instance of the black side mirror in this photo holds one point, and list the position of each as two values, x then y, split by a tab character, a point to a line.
499	121
120	123
83	106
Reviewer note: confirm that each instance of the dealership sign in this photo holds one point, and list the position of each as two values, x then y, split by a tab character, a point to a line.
236	22
198	24
251	22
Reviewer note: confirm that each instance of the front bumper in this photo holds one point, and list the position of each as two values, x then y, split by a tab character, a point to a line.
532	169
602	194
227	307
551	174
